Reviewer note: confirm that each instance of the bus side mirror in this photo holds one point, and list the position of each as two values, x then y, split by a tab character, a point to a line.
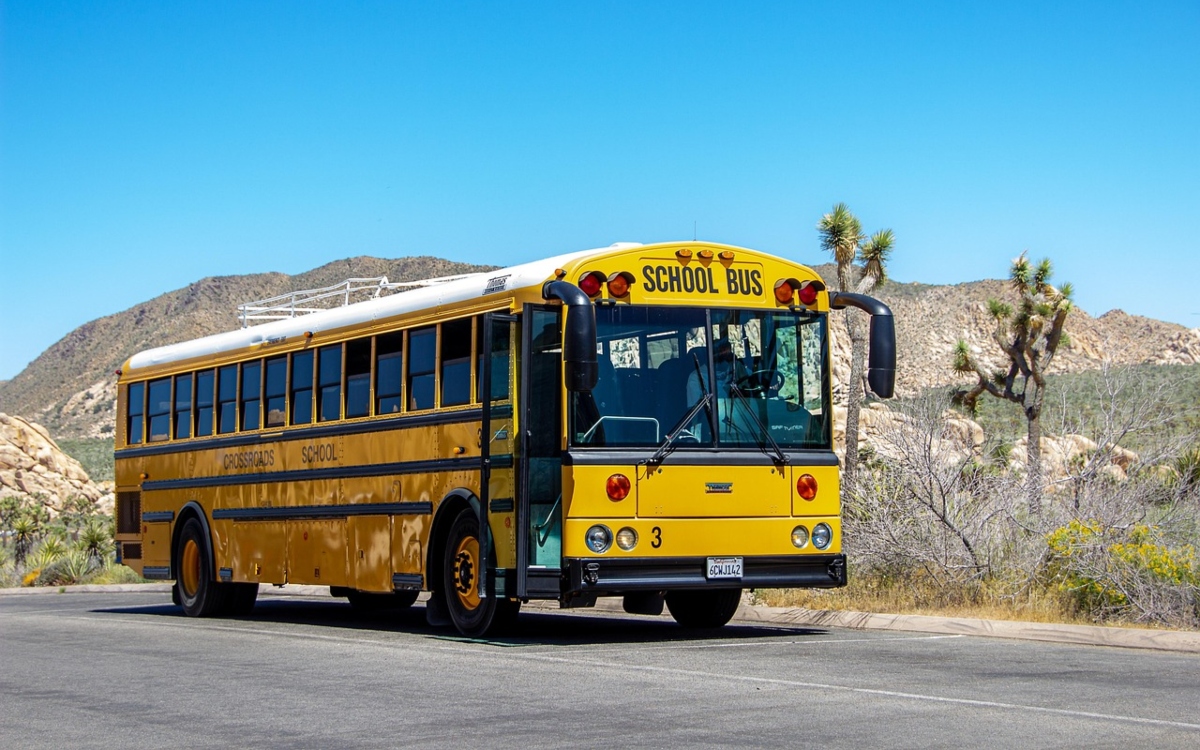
881	362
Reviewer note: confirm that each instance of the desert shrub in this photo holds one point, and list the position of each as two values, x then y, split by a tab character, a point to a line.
75	566
1133	573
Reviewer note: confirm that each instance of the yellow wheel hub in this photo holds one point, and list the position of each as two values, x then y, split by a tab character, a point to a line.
189	568
466	572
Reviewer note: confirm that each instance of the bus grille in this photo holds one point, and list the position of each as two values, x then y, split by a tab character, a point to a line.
132	551
129	513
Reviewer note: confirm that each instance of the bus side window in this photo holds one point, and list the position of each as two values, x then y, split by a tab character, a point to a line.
204	403
329	383
389	372
159	410
251	390
227	399
500	363
456	362
275	391
183	406
358	378
302	388
135	400
421	367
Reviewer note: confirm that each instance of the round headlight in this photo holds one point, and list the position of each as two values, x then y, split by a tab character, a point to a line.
822	536
800	536
626	538
599	538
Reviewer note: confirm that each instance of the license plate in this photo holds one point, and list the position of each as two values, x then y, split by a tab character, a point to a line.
724	567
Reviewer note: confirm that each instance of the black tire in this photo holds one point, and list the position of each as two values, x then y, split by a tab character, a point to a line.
198	593
472	616
240	598
370	601
704	608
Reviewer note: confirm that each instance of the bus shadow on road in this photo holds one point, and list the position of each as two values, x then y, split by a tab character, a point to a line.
535	627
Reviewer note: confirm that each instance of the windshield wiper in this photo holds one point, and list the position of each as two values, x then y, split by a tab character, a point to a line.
740	398
678	429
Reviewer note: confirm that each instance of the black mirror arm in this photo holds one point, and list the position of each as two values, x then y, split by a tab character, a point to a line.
579	335
881	364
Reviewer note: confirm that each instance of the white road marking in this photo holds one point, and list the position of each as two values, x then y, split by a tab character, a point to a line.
609	665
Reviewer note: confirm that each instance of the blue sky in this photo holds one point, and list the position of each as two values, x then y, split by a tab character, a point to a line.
144	145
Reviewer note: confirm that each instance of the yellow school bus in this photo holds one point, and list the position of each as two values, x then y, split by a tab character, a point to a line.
652	422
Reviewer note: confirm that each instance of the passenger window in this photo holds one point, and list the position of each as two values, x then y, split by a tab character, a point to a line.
421	361
302	388
159	410
135	399
276	391
389	373
329	383
183	406
251	391
456	362
358	378
227	399
204	403
500	361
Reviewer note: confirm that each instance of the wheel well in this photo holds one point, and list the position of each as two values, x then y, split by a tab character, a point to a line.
453	504
189	511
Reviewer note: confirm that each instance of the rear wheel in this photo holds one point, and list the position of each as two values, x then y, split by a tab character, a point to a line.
198	593
240	598
471	614
369	601
704	608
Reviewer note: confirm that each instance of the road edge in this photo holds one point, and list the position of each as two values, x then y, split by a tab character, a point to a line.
1082	635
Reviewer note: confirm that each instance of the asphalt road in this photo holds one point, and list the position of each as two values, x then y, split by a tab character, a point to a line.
129	671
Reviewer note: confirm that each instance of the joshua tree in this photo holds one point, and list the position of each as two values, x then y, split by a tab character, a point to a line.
1029	336
841	233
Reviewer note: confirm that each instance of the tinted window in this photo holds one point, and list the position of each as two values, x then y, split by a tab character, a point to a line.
329	382
227	399
251	390
183	406
204	403
275	391
389	373
358	378
158	407
302	388
421	361
136	403
456	362
500	361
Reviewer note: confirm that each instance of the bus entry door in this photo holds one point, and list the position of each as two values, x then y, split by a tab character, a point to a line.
539	501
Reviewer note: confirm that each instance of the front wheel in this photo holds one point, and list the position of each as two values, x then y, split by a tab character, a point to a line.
471	614
704	608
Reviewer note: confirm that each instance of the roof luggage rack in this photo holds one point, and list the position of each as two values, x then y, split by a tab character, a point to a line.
350	291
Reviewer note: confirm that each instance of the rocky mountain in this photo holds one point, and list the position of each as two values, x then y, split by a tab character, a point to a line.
931	319
70	388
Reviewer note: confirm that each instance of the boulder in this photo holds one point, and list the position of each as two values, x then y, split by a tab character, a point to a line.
32	465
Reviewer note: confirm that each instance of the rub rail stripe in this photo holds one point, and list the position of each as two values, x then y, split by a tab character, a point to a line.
332	472
323	511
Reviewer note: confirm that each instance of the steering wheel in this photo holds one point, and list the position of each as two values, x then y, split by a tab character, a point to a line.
767	379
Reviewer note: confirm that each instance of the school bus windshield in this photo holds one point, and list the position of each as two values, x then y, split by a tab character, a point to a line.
763	370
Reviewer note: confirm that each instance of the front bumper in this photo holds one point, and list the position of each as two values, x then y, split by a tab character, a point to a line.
599	576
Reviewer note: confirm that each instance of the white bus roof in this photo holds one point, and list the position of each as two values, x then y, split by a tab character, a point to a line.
423	298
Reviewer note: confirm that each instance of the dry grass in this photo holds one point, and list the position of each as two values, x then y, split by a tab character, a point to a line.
868	594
